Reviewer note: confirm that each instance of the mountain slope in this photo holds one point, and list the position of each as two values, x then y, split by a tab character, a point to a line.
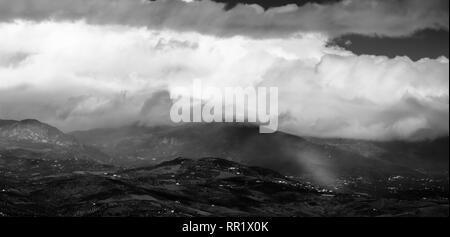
322	159
34	131
31	138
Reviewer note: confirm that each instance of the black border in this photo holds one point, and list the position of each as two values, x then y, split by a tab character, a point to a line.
308	227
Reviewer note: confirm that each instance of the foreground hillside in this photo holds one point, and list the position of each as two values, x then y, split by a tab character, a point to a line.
184	187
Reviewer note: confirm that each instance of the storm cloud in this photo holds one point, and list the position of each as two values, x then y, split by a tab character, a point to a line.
367	17
78	75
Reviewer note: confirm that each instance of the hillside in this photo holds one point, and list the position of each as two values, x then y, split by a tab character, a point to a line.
31	138
185	187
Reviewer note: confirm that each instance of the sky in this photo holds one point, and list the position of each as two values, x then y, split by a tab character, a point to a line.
366	69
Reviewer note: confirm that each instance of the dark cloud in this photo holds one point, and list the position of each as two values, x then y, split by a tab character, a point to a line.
266	4
422	44
366	17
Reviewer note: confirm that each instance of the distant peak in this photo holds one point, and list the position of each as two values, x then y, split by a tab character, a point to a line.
32	130
30	121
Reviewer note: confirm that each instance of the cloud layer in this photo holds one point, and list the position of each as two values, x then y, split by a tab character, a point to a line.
368	17
76	75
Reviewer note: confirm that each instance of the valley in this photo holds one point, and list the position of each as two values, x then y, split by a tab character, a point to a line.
145	172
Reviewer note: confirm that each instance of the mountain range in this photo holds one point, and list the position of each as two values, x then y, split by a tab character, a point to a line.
214	169
139	145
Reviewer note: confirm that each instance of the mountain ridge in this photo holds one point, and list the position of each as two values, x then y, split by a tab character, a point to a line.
31	137
322	159
282	152
32	130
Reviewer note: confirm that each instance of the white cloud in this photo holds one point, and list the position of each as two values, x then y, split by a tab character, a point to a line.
78	76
